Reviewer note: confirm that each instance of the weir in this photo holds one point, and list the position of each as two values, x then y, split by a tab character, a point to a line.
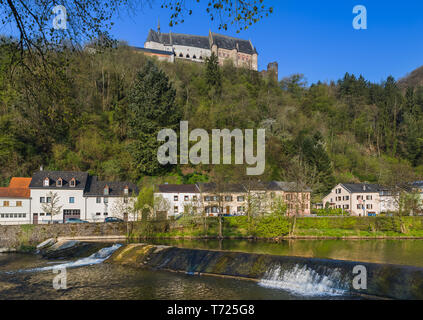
298	275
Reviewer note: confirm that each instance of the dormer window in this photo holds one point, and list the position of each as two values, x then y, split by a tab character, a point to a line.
126	190
106	190
72	182
46	182
59	182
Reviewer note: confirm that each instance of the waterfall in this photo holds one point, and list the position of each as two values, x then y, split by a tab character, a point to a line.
304	281
95	258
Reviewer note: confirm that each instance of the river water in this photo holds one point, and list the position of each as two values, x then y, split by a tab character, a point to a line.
31	277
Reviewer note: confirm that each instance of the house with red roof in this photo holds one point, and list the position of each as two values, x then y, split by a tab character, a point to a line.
15	202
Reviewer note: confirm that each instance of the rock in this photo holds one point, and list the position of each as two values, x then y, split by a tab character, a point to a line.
7	250
47	243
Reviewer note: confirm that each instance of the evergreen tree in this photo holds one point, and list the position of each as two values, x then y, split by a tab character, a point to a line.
213	73
152	108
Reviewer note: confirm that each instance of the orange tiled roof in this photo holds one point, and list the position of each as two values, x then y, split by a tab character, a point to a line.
18	188
17	182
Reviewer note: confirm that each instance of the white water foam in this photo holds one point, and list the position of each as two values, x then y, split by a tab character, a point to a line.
95	258
304	281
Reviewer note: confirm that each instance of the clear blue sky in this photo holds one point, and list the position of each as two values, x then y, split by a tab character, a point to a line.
315	38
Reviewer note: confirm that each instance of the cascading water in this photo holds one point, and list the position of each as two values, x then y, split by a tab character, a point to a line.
304	281
95	258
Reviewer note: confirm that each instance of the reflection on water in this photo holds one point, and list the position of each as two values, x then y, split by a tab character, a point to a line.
406	252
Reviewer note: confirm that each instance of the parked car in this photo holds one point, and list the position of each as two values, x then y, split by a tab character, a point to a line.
113	219
75	220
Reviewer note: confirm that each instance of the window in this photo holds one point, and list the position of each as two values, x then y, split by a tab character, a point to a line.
369	206
72	183
175	198
175	209
59	182
240	198
228	198
106	213
207	198
48	199
24	215
98	200
347	197
368	197
126	190
5	203
98	214
71	199
288	197
106	200
46	182
19	203
186	198
194	198
181	55
42	200
41	213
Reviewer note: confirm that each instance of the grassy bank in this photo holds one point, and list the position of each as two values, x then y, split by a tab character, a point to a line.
284	227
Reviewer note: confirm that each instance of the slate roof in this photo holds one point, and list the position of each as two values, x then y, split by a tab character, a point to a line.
227	187
222	41
95	187
231	43
363	187
179	39
178	188
38	177
169	53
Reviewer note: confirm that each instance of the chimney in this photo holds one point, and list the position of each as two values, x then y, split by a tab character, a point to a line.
364	187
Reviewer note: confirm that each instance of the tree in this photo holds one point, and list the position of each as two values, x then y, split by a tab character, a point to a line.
145	201
213	74
125	208
52	208
152	108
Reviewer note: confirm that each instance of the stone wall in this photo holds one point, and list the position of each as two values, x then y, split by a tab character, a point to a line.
30	235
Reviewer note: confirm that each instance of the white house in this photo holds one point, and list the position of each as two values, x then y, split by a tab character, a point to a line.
360	199
76	194
15	203
178	198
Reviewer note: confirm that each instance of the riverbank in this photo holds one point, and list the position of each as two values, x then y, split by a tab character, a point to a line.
283	228
24	238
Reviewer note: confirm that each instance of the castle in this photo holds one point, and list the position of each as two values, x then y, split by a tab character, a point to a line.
171	46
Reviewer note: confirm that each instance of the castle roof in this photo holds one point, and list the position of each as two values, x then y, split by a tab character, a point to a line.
179	39
204	42
230	43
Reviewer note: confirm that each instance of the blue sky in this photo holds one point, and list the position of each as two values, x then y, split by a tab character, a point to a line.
315	38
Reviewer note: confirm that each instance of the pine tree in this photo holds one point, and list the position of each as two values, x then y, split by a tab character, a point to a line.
152	108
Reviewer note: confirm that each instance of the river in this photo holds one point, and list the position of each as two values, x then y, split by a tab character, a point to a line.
24	276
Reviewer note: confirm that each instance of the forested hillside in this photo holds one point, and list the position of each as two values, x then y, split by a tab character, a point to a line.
101	112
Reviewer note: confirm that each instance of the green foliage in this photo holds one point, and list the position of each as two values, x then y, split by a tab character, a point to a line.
330	212
152	108
102	112
272	226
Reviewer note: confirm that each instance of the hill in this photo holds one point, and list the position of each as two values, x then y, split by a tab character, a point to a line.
100	113
413	79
